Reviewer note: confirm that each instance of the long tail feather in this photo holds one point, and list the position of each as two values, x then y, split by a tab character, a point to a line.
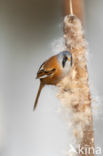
38	94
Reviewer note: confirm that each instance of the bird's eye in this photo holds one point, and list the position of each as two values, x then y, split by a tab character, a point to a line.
64	61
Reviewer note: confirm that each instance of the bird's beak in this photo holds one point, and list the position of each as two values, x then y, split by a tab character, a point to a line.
69	59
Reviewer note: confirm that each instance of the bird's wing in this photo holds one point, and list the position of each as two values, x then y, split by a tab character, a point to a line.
44	74
47	69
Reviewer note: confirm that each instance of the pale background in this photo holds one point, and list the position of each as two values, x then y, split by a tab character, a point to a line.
28	29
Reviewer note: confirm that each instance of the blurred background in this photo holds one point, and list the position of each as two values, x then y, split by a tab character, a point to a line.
29	32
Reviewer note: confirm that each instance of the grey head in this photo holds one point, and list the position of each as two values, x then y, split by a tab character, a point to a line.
64	57
65	60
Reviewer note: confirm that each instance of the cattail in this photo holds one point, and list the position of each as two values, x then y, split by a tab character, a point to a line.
74	91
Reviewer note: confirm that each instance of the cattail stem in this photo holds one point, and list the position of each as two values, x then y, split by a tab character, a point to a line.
77	7
71	7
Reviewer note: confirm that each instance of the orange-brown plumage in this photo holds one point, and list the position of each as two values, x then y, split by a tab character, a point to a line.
53	70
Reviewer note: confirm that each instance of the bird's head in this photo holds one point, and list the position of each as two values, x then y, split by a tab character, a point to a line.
65	61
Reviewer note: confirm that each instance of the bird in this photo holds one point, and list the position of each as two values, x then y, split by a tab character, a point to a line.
53	70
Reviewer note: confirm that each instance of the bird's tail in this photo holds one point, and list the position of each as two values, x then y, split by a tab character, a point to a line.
38	94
